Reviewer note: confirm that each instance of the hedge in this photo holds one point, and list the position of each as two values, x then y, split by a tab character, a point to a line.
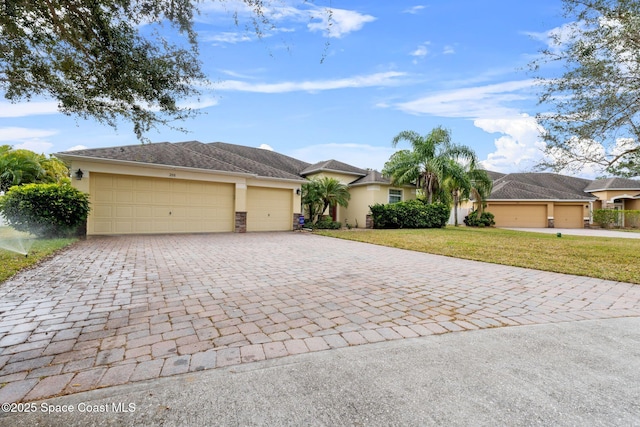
46	210
410	214
607	218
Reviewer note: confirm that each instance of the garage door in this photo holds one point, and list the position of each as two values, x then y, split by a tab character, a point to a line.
568	216
123	204
519	215
269	209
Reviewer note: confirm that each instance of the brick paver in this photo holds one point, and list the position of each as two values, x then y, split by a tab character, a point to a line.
131	308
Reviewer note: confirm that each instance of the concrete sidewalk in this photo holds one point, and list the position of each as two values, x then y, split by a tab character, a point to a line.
583	373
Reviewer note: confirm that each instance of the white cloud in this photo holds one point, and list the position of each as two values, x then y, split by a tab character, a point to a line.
22	134
77	147
388	78
520	146
28	139
448	50
360	155
266	147
422	50
557	37
491	107
414	10
226	37
472	102
337	23
24	109
332	22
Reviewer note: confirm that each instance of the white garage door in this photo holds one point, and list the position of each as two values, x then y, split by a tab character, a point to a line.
519	215
269	209
123	204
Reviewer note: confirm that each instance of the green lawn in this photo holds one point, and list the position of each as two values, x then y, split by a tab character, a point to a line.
605	258
12	262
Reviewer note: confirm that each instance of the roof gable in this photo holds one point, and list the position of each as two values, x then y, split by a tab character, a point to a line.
333	166
258	168
265	157
613	184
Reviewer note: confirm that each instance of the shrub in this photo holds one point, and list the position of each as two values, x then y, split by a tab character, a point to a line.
486	219
632	219
326	223
409	214
46	210
605	218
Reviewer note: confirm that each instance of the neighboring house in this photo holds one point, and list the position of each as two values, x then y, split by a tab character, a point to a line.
366	187
556	201
192	187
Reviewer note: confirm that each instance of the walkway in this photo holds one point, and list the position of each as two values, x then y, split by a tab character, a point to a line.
118	310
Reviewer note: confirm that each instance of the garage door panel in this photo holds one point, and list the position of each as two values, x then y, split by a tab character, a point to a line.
515	215
129	204
568	216
269	209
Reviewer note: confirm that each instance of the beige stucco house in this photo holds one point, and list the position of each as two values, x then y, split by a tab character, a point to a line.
193	187
186	187
366	187
556	201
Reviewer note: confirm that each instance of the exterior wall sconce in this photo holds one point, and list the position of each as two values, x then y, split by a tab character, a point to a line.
79	174
297	191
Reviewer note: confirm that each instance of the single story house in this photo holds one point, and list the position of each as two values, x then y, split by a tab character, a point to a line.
549	200
195	187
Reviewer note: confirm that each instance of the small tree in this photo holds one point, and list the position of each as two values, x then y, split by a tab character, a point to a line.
320	194
46	210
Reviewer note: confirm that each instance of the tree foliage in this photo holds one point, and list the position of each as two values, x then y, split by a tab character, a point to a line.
24	167
594	114
105	59
428	163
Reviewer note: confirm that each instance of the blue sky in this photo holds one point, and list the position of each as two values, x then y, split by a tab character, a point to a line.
388	66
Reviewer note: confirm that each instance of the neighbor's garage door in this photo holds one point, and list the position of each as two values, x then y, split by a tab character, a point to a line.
269	209
519	215
568	216
123	204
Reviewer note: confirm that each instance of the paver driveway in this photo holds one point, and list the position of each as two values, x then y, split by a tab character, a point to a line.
113	310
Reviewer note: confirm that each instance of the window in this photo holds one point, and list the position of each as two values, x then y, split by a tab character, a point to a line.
395	196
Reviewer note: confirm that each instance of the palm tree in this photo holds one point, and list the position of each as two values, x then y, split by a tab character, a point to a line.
320	193
332	192
465	182
19	167
428	163
311	199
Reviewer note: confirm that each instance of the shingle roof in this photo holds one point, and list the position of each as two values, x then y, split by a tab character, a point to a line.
539	186
374	177
194	154
158	153
333	166
613	184
216	152
267	157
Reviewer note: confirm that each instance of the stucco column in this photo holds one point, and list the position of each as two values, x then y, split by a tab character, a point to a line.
240	225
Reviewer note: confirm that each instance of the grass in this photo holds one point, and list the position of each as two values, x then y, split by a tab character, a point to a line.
40	249
599	257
